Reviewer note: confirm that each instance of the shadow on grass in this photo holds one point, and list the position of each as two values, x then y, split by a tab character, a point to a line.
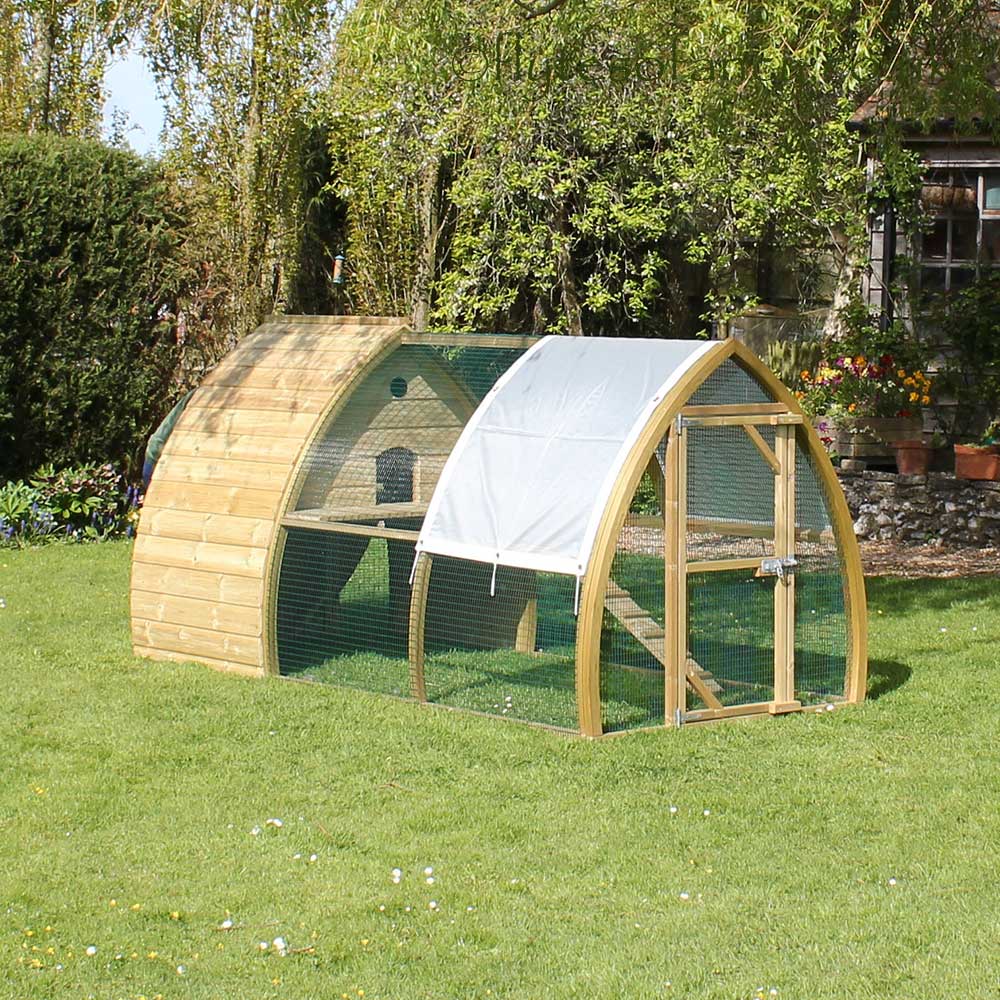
885	676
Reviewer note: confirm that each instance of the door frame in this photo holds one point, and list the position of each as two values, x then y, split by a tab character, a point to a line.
682	672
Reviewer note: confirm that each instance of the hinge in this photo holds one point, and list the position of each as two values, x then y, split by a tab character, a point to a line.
678	718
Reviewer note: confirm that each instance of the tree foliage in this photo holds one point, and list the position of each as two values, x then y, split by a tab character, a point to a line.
239	77
53	54
93	274
588	165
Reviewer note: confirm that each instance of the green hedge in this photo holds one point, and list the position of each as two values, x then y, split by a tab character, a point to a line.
91	270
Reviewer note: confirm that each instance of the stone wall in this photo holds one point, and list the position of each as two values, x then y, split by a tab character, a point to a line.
937	509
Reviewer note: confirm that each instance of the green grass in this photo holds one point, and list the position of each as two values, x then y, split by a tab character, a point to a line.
140	782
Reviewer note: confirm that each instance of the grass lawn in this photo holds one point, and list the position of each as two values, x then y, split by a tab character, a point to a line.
854	854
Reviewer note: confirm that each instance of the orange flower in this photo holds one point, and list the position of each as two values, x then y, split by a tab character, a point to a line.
914	396
852	407
925	400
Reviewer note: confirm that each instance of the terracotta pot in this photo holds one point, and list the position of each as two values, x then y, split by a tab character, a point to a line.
977	462
913	458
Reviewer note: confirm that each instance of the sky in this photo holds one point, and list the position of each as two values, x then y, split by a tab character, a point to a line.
131	88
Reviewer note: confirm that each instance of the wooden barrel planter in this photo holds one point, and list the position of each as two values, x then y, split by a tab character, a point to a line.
872	438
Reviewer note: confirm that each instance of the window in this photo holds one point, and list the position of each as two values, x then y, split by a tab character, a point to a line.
963	236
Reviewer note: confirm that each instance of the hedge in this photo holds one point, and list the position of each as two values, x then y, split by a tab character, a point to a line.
92	267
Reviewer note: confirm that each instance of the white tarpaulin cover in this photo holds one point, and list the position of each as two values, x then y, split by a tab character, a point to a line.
528	480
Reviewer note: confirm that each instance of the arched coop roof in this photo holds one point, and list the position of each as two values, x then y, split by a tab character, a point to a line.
202	555
529	479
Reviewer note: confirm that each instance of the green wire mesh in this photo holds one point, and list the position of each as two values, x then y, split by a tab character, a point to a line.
633	638
729	384
505	645
343	603
343	598
822	633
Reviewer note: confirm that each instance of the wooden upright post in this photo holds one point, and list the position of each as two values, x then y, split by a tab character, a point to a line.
418	618
675	578
784	587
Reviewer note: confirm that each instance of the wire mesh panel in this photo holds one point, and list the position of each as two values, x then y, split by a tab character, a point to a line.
821	627
731	636
633	639
343	598
730	493
342	610
727	385
731	611
503	645
382	452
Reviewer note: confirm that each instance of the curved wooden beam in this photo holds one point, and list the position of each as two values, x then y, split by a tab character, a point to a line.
418	619
588	631
855	598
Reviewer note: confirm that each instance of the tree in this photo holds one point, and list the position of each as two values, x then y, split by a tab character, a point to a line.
53	54
584	166
94	273
239	76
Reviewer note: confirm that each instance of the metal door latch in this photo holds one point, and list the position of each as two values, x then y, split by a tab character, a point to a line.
779	567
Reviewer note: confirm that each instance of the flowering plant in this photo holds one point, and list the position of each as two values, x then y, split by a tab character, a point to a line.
89	503
867	371
857	386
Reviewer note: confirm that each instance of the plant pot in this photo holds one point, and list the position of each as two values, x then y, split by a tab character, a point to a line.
977	462
913	457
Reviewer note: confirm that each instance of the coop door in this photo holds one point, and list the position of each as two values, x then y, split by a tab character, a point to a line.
733	583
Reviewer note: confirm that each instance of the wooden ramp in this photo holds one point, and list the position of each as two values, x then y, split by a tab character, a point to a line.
637	622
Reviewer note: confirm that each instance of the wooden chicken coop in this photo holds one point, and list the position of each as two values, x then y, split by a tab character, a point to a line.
591	534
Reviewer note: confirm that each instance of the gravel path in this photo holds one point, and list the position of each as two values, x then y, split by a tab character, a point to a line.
891	559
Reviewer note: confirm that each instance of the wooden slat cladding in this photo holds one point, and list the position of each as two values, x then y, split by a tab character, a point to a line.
249	376
242	447
211	397
213	499
234	619
328	358
201	420
239	560
200	561
225	666
195	642
224	472
206	585
195	526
